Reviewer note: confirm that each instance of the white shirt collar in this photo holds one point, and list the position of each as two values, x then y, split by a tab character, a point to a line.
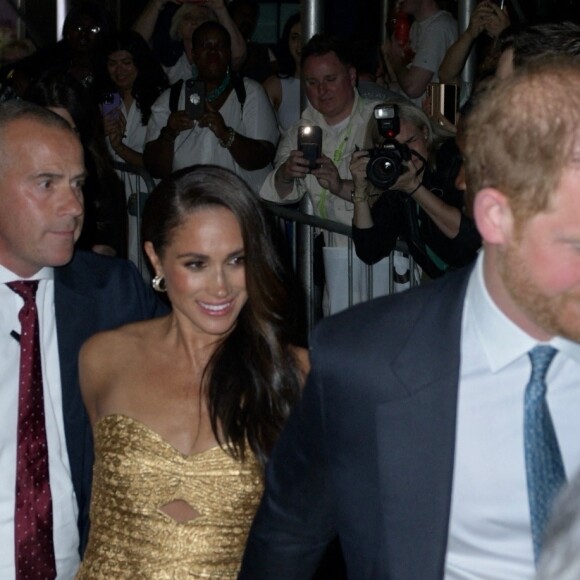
503	341
6	275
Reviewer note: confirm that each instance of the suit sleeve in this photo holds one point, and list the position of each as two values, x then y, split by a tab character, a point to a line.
294	523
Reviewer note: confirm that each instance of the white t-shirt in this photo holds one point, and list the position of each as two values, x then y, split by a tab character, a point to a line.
199	145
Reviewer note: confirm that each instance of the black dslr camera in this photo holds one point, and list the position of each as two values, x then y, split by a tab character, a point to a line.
386	162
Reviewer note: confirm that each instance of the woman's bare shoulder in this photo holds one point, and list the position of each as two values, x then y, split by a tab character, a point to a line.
302	359
129	334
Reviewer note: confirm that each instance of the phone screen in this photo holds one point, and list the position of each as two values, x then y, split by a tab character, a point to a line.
111	102
310	143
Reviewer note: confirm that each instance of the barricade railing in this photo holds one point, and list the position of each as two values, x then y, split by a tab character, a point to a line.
301	230
295	233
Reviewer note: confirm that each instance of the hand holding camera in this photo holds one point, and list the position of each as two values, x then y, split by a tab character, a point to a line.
358	170
393	165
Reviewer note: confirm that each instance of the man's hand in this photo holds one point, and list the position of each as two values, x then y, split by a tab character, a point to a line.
179	121
295	167
215	123
327	175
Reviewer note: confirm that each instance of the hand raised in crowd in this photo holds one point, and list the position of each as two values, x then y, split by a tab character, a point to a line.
392	52
295	167
411	177
487	17
497	21
358	170
114	126
179	121
214	122
327	175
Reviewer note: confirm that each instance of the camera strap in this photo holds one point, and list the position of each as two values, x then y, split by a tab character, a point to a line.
423	160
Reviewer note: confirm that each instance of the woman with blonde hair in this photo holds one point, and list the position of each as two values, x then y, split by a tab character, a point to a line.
421	205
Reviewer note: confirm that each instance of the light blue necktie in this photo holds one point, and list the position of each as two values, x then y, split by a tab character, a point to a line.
544	468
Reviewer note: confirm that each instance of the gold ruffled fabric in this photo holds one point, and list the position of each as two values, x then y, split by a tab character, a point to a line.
136	473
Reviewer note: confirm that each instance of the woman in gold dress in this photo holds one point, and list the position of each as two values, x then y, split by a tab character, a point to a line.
186	408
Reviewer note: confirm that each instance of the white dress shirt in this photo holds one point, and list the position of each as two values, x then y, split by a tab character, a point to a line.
64	505
489	533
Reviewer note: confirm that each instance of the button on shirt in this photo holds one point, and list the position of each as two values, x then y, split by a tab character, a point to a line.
64	505
489	533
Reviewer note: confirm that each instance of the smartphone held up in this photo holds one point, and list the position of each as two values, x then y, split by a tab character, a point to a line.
310	143
111	105
194	98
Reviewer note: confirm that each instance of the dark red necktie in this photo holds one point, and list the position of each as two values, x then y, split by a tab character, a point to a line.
34	548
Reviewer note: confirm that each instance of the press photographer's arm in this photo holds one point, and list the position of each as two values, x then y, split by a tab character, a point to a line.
399	191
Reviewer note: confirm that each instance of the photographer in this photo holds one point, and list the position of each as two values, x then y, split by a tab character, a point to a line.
408	191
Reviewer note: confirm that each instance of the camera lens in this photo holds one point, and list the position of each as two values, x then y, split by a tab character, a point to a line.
386	163
383	171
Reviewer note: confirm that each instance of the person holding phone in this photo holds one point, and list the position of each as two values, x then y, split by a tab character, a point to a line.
187	16
237	129
129	80
335	106
487	21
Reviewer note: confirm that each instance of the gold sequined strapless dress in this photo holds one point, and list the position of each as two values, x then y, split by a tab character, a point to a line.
136	473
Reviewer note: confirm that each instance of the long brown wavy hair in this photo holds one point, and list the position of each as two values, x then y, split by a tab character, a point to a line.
252	380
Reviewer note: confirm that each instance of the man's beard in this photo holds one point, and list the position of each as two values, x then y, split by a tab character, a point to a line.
557	315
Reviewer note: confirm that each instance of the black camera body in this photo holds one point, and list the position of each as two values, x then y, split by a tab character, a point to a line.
386	163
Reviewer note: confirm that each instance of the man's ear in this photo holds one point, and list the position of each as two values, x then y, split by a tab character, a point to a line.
493	216
352	74
153	257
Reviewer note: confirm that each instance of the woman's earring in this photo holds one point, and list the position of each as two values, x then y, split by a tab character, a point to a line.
158	284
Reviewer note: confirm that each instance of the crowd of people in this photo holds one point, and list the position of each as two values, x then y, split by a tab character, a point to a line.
189	427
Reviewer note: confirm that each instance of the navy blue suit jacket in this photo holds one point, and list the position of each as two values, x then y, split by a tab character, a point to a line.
368	452
91	293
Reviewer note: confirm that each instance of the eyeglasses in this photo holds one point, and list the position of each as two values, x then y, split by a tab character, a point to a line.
88	29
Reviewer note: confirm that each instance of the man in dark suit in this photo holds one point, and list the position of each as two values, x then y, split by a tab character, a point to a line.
41	215
424	438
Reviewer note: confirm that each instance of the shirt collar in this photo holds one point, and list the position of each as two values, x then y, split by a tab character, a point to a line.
502	340
6	275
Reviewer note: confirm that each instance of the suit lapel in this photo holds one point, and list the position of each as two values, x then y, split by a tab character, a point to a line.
416	439
75	319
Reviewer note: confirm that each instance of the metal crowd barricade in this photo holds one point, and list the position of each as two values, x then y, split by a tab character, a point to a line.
138	184
295	231
300	230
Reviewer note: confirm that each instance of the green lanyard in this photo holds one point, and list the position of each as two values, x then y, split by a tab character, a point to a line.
336	157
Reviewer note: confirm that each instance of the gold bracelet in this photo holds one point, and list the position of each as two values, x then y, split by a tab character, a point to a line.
358	198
